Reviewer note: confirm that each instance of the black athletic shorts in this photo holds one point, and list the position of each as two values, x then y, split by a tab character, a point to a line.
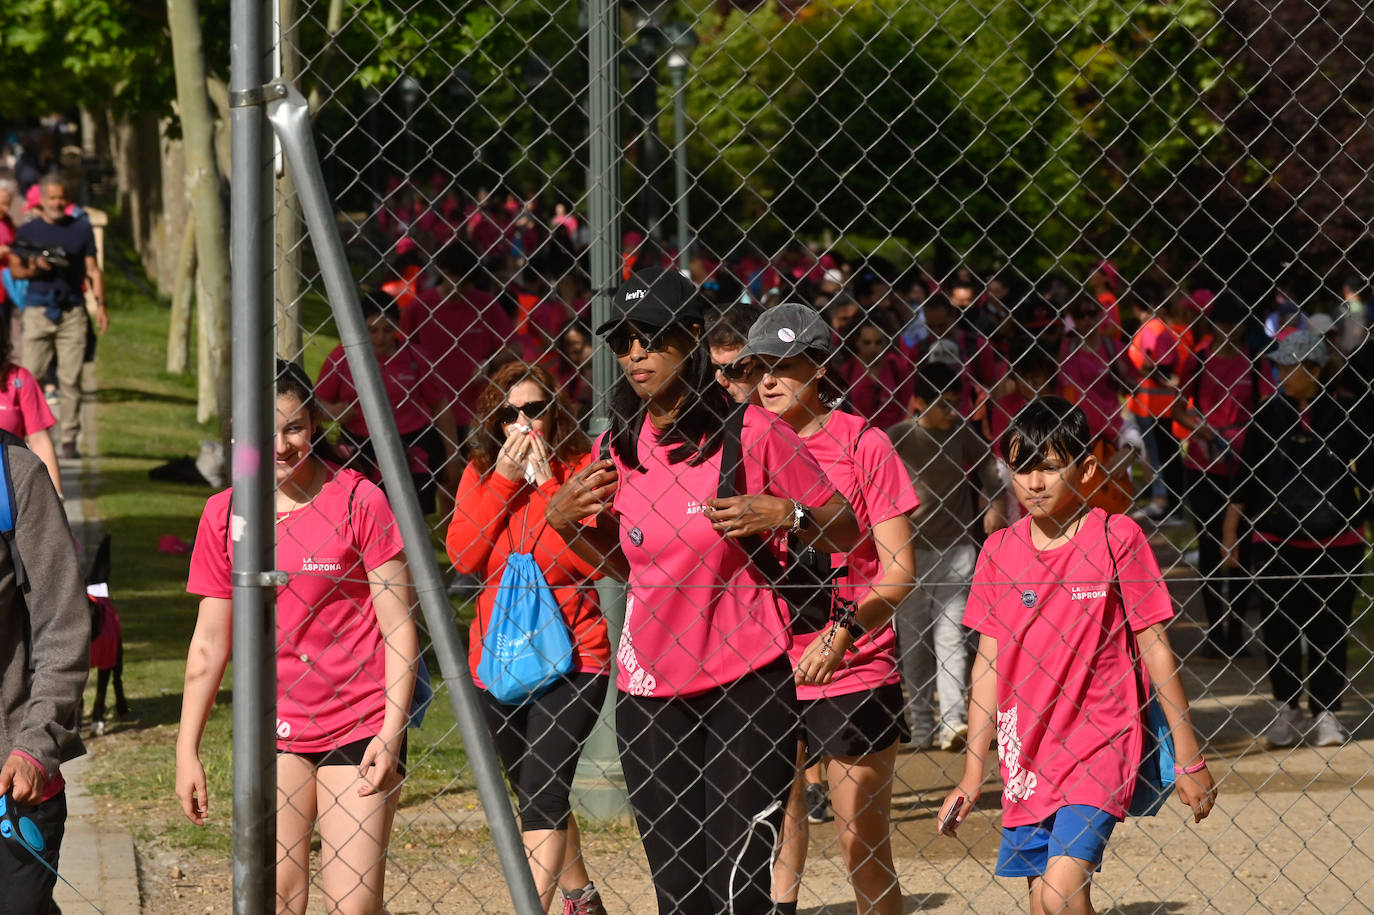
350	754
855	724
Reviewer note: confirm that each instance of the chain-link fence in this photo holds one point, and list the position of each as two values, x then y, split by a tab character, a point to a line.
892	226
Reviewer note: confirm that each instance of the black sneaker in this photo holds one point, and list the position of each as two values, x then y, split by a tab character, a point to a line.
818	804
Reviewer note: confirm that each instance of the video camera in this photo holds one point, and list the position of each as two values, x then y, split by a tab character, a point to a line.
54	254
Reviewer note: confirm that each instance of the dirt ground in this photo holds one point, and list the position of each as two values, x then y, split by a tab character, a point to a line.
1291	832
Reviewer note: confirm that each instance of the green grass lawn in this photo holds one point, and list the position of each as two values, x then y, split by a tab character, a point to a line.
147	417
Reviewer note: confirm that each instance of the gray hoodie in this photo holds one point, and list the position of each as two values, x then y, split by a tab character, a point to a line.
45	631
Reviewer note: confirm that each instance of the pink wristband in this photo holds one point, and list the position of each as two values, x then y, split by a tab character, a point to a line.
1195	767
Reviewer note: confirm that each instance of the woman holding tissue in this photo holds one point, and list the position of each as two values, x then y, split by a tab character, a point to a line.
526	446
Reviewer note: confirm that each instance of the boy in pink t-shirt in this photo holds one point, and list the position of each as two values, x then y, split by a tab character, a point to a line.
1057	599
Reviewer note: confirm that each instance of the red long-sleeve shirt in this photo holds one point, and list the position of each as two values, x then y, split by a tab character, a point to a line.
494	517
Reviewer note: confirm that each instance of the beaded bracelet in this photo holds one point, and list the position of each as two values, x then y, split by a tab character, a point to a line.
1189	770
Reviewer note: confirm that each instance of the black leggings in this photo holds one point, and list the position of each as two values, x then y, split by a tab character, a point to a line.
28	884
1308	596
539	744
699	769
1223	589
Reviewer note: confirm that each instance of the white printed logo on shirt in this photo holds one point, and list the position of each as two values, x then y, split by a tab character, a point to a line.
1087	592
1021	782
321	565
642	682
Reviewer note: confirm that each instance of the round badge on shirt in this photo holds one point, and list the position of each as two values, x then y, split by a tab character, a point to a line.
636	536
1028	598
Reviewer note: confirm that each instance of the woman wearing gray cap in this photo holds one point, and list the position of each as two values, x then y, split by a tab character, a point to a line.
706	715
1304	481
853	717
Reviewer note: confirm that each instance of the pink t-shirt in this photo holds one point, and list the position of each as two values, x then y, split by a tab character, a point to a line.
457	336
331	662
411	389
866	470
699	614
1068	699
1085	376
23	411
1226	390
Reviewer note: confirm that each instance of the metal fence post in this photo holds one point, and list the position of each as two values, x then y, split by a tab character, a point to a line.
290	117
599	788
255	671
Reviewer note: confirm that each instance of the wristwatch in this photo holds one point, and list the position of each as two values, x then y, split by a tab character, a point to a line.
801	517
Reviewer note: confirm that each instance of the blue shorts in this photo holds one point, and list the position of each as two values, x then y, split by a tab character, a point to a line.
1075	830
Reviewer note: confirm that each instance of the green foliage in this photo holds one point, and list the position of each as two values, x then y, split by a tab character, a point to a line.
100	54
998	131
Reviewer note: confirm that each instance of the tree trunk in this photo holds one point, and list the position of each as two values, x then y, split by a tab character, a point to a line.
203	186
183	292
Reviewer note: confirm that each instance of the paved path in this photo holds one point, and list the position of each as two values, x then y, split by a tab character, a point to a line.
97	854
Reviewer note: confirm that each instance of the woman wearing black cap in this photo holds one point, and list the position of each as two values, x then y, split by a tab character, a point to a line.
855	717
707	712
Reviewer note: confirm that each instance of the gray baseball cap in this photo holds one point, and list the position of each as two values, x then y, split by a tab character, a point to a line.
787	330
1300	346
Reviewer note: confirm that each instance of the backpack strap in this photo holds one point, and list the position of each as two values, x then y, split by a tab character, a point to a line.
731	462
7	513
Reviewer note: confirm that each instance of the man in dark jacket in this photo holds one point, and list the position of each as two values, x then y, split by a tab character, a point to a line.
45	635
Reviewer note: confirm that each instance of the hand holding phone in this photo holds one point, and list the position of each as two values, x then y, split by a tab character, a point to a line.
950	821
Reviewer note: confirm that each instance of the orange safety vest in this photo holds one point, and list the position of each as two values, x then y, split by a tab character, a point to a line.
1152	397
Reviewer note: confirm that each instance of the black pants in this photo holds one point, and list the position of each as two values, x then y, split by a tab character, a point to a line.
27	884
1224	589
699	769
1308	596
540	742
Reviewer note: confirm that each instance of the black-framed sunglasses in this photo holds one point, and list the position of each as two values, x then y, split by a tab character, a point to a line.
622	337
509	413
742	370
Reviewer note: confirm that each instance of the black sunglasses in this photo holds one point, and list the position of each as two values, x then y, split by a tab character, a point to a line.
741	371
623	336
509	413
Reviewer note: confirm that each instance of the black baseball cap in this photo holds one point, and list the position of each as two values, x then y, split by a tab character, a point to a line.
655	297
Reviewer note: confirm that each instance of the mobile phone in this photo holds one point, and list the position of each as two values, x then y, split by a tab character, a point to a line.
951	818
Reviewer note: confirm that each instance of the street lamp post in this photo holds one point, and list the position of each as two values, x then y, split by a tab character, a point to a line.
645	54
410	96
683	41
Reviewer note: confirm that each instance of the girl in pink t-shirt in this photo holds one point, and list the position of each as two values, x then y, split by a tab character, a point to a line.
1056	598
347	649
707	714
854	715
23	410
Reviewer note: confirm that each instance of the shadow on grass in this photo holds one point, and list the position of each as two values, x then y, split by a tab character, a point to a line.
129	395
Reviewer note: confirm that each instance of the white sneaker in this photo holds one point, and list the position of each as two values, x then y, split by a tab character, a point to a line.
953	739
1286	731
1327	731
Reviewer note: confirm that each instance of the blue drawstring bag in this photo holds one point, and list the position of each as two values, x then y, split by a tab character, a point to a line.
1154	780
17	290
527	647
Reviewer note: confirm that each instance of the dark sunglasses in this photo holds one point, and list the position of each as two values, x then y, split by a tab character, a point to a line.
622	337
742	370
509	413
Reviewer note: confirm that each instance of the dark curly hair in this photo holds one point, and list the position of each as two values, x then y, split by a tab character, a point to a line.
566	436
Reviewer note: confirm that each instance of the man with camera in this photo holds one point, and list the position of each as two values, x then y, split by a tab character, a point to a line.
56	253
